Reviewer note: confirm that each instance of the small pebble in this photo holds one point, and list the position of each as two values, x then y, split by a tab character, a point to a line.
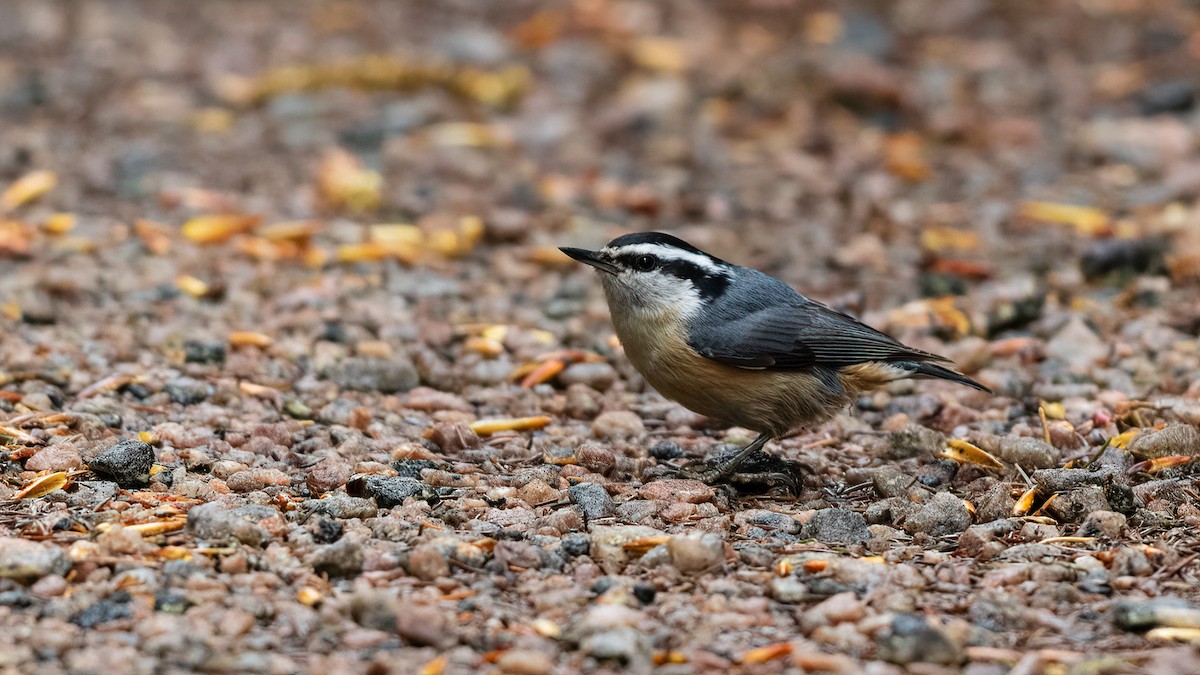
618	425
837	526
427	563
26	560
592	500
54	458
676	489
943	514
697	552
524	662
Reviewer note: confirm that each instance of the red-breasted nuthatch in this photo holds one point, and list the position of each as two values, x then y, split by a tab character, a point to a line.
733	343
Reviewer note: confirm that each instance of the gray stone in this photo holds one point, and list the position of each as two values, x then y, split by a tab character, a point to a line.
1028	452
1062	480
592	500
371	373
127	463
911	639
1108	524
187	391
341	559
1173	439
218	523
942	515
1076	505
837	526
26	560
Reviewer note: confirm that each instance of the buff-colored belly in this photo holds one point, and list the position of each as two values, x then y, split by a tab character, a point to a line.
759	400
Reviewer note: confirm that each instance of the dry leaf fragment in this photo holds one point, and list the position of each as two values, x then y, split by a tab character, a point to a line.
966	453
152	528
309	596
487	347
27	188
468	135
767	653
1068	540
1153	466
939	239
400	240
1173	634
153	236
214	229
15	238
343	182
258	390
44	485
1085	219
493	426
544	372
59	223
289	230
18	435
1025	502
663	658
365	252
546	628
105	385
815	566
659	53
642	545
1121	441
904	156
191	285
245	338
436	666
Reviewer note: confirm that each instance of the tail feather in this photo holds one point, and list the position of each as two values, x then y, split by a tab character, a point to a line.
924	369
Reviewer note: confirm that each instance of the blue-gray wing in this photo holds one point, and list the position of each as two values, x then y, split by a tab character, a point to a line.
798	335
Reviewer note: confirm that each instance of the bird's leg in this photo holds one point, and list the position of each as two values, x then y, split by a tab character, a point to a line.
724	471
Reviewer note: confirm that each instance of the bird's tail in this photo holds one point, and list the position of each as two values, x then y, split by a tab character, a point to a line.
924	369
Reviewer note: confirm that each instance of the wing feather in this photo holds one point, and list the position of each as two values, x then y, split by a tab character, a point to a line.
799	335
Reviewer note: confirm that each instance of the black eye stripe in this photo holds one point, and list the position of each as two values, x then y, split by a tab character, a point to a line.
710	284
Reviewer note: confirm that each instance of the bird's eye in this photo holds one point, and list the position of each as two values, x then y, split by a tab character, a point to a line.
644	263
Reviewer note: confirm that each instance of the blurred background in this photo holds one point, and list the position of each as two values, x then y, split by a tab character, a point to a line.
952	169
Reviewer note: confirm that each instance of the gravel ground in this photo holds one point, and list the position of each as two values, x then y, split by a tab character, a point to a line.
295	380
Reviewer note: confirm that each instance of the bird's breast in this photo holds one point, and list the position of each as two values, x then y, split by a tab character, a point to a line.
759	400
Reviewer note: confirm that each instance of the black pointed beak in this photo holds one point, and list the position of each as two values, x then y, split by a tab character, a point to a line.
589	258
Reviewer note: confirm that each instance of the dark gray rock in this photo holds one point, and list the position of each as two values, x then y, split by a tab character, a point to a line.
389	491
911	639
592	500
187	391
127	463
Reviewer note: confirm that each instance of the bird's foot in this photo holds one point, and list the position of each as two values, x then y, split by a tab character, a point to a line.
759	473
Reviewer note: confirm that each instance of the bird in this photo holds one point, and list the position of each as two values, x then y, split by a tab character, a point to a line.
736	344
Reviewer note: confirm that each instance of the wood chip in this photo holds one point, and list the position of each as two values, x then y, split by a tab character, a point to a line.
27	188
965	453
44	485
494	426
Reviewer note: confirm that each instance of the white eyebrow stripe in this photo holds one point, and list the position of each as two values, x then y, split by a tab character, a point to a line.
671	253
